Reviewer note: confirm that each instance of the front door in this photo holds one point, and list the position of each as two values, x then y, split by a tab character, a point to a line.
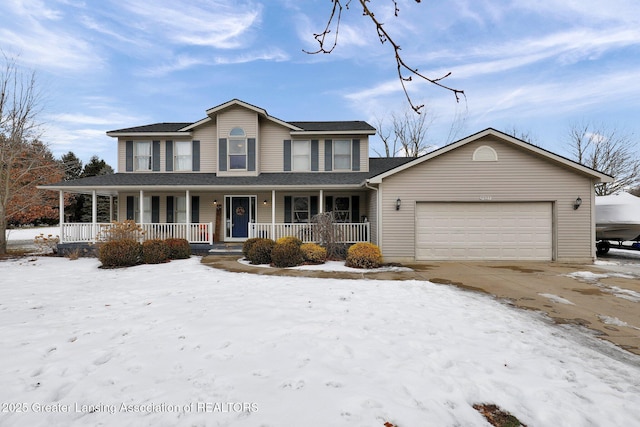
240	211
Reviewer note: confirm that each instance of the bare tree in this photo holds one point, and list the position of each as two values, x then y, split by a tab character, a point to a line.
407	135
328	40
608	151
523	135
23	159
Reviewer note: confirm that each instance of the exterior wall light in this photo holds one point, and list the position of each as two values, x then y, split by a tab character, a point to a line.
398	203
577	203
264	202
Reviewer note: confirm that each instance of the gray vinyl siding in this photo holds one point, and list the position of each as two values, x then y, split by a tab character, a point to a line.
517	176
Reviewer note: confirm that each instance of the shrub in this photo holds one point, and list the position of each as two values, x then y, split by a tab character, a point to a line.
337	251
178	248
313	253
260	251
286	254
246	246
364	255
121	230
48	243
155	251
119	253
289	239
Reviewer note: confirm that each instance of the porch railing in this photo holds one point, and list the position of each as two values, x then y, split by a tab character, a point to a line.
89	232
344	232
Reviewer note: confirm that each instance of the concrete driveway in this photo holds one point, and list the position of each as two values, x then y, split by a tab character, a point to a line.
604	297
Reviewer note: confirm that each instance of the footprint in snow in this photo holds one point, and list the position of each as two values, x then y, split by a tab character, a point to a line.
103	359
293	385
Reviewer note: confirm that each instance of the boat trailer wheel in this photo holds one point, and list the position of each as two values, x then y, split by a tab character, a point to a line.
603	247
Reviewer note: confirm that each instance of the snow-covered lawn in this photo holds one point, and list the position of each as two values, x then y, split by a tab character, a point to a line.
188	345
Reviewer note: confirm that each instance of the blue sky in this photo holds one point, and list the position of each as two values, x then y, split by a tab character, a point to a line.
535	66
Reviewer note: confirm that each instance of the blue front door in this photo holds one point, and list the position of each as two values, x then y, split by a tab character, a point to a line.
238	216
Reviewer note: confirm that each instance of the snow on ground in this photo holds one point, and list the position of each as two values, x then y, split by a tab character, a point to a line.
556	298
332	266
183	344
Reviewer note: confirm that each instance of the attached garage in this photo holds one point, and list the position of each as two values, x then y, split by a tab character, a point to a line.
484	231
489	196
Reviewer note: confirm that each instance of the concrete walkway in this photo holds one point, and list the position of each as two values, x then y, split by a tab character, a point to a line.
605	301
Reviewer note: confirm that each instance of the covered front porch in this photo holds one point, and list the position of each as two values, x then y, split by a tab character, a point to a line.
209	217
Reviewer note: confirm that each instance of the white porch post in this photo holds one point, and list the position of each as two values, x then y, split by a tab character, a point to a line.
321	202
61	214
188	219
273	214
141	206
110	208
94	215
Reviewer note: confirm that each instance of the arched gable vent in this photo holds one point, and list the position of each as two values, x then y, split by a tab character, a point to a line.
485	154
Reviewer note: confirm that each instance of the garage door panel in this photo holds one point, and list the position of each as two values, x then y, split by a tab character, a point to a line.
508	231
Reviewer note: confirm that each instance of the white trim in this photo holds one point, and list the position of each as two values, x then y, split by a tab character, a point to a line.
258	110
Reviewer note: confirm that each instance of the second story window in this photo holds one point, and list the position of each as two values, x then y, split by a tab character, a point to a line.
142	155
342	154
182	155
301	155
237	149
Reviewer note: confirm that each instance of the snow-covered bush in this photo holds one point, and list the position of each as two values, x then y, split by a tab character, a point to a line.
178	248
119	253
313	253
48	243
155	251
364	255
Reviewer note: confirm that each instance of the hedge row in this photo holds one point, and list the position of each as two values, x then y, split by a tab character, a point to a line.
128	252
291	252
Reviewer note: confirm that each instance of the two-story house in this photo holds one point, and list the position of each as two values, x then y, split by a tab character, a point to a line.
241	173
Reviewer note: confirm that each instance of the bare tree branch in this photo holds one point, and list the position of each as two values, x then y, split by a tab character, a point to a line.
406	73
608	151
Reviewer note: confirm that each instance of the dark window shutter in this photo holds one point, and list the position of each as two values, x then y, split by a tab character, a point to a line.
355	155
287	208
222	154
129	156
155	209
251	154
287	155
313	202
131	214
328	203
195	209
155	156
170	209
195	156
355	208
169	151
328	154
314	154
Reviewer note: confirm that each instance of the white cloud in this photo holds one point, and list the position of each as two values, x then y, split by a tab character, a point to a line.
205	23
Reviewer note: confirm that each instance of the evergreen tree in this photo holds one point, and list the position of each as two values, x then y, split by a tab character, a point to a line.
95	167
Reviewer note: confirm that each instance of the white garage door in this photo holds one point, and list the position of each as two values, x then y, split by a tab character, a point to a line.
483	231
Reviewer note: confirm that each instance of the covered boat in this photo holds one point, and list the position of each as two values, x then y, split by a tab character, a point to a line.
617	219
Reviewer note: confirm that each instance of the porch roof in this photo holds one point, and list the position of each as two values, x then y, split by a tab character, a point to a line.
171	181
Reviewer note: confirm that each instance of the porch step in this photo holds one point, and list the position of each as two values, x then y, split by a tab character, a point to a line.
226	248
